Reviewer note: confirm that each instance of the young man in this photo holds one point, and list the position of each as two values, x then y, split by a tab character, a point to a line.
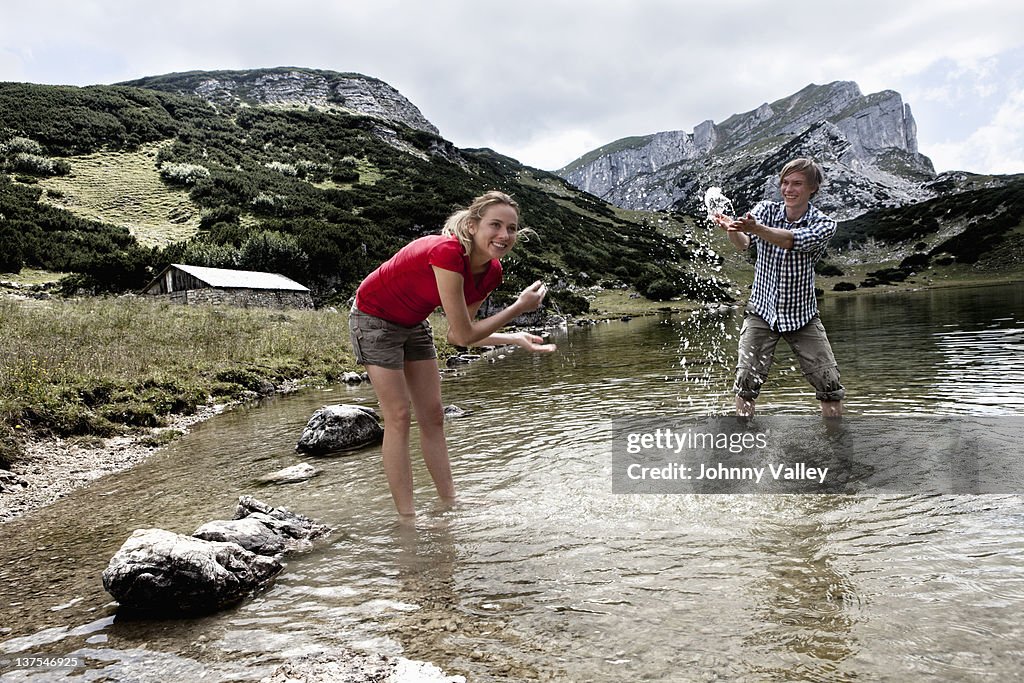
791	236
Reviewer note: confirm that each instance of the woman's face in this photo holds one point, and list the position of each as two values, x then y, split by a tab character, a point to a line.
495	232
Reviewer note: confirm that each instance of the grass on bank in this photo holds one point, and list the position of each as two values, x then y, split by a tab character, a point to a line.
100	367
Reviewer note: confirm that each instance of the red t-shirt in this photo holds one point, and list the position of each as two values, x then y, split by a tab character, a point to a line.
404	290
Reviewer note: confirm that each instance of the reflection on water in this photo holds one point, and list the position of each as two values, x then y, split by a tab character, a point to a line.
540	572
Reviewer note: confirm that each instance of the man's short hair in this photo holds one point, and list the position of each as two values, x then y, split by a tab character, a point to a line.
810	169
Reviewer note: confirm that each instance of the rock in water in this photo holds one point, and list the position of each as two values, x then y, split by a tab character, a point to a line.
263	529
338	428
255	533
356	667
290	475
455	411
161	572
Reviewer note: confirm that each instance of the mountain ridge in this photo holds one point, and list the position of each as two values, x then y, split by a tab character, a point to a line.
867	144
298	86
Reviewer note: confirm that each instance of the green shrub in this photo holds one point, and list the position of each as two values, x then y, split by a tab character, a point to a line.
174	396
661	289
246	379
828	269
569	303
228	391
162	438
273	252
35	164
183	174
12	257
282	168
64	419
18	145
199	253
219	214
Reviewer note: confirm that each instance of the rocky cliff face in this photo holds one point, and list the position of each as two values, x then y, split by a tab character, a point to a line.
299	87
867	145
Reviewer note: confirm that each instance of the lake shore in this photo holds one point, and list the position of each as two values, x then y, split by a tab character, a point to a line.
51	468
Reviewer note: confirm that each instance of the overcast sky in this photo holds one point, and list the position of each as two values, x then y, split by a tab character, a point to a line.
545	81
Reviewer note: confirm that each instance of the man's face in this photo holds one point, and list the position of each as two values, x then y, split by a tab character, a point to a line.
797	189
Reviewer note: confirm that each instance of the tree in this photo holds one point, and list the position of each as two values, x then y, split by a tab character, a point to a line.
274	252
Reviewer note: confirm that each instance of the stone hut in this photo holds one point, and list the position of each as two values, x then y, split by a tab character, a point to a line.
246	288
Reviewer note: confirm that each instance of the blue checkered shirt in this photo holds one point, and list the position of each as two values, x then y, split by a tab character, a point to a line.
783	289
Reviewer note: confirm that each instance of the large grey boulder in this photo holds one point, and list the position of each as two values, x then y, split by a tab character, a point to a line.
158	571
340	428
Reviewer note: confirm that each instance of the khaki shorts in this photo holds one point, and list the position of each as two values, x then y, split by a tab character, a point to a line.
810	344
381	342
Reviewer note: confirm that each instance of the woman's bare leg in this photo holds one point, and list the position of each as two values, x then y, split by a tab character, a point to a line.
393	394
424	382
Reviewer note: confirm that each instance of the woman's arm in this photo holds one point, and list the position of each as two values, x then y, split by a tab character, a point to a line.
530	342
462	329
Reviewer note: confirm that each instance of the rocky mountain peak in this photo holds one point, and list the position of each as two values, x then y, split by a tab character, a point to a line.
351	93
868	144
293	86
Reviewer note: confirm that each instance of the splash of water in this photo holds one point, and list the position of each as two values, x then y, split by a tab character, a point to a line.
705	360
707	335
715	201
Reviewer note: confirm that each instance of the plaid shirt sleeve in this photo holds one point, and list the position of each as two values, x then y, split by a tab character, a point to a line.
813	232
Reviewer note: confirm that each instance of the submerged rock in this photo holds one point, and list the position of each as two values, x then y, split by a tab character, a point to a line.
158	571
339	428
461	359
162	573
455	411
355	667
291	475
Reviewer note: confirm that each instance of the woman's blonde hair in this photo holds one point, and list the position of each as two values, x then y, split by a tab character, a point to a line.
459	222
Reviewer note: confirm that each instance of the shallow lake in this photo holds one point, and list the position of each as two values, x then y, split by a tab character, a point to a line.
541	572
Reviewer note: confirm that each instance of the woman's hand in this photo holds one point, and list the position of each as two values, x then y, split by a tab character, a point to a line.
532	297
531	342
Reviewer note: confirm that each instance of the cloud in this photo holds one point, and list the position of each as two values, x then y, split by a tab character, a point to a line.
536	79
11	65
997	147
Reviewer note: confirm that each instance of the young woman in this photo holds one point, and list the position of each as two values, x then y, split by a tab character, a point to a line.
456	270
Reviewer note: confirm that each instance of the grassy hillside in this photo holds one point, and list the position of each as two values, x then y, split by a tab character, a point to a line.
125	189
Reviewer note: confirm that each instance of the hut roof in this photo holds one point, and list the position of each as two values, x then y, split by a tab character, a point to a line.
225	277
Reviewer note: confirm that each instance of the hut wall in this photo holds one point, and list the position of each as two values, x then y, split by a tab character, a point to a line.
243	298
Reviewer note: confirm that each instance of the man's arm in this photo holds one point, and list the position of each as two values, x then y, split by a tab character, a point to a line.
748	225
739	231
